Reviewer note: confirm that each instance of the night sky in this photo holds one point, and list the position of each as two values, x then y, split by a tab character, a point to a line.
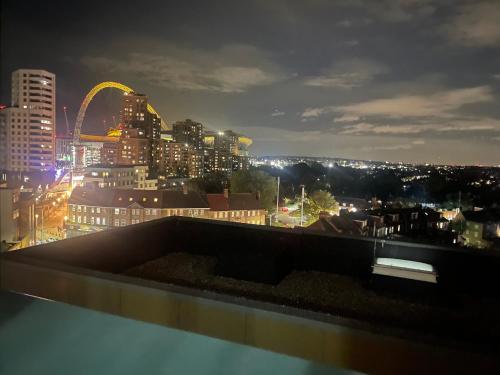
397	80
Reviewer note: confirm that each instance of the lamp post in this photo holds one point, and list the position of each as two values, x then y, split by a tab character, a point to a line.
302	207
277	198
36	226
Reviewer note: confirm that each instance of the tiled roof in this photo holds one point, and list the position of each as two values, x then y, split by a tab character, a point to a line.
235	201
337	224
145	198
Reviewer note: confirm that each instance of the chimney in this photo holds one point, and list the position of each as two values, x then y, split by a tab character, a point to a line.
226	193
257	195
185	189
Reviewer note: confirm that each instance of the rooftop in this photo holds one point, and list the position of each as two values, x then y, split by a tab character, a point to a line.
233	201
296	292
121	198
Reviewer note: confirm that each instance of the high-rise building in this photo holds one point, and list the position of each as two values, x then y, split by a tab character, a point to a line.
141	133
179	160
190	132
225	151
28	126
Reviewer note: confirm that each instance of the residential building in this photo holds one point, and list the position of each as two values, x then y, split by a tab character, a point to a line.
189	132
94	209
336	224
109	153
179	160
9	215
236	207
481	228
116	176
140	133
225	152
27	127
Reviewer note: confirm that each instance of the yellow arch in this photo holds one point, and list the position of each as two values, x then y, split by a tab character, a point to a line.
90	95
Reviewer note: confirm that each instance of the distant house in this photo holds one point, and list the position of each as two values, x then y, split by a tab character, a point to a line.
342	224
482	228
410	221
236	207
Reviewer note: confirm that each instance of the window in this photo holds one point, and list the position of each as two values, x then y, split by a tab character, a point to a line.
154	211
85	220
79	208
117	222
84	208
123	222
98	210
117	211
73	207
73	218
147	211
79	219
92	209
98	220
92	220
103	221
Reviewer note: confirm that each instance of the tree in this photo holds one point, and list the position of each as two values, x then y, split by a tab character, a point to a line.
211	183
317	202
253	181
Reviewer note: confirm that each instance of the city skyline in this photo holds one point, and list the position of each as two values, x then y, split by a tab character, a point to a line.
413	81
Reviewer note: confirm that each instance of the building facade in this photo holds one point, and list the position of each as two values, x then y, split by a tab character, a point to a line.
28	125
116	176
9	215
189	132
179	160
140	136
240	208
92	210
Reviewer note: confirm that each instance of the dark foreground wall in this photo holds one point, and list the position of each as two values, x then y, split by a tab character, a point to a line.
264	254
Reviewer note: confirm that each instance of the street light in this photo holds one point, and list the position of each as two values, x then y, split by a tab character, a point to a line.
277	198
302	207
36	226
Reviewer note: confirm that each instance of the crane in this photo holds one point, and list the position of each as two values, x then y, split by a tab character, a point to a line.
67	124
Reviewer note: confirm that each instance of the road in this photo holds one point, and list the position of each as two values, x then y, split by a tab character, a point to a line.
52	225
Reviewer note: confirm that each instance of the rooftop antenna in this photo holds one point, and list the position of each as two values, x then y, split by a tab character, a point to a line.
67	123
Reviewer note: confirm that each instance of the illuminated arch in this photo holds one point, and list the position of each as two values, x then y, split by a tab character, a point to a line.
90	96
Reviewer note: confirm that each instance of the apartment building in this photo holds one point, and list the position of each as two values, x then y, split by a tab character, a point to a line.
240	207
93	209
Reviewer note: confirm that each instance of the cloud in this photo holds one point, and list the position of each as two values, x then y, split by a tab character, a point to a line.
389	147
348	74
346	118
395	11
476	24
496	76
225	70
277	113
344	23
456	126
438	104
352	43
